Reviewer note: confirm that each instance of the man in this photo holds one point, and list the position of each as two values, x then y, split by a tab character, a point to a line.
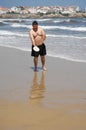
38	36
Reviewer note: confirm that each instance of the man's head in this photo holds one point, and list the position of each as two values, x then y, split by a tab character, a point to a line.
35	25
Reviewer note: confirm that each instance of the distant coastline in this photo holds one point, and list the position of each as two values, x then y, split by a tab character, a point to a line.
24	16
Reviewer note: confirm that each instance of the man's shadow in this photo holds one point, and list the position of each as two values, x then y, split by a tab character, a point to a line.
37	88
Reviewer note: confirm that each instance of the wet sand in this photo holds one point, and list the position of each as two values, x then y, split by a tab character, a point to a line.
51	100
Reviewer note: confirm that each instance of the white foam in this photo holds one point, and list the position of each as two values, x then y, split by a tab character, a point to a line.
67	58
48	54
9	33
82	29
62	20
41	20
18	48
65	36
17	25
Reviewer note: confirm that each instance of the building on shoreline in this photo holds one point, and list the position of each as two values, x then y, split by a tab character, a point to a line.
40	9
41	12
4	10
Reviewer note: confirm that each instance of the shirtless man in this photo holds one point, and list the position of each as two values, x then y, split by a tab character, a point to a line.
37	36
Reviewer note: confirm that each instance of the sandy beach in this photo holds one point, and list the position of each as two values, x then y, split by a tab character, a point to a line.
51	100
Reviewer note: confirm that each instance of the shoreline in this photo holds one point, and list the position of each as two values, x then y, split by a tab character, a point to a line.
62	58
15	16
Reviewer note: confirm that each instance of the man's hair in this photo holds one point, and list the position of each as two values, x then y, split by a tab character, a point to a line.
34	23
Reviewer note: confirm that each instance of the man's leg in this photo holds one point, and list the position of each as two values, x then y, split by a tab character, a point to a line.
35	63
43	62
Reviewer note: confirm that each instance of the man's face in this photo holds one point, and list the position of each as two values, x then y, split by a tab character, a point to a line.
35	27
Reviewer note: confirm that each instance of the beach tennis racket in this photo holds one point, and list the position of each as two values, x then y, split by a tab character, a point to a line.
35	48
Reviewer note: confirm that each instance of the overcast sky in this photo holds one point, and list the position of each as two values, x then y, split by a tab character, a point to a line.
10	3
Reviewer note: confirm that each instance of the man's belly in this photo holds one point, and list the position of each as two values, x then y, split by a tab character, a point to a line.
38	40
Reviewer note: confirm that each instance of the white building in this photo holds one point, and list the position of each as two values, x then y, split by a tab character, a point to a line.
3	10
17	9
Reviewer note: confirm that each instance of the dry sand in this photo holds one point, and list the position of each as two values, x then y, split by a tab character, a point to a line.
51	100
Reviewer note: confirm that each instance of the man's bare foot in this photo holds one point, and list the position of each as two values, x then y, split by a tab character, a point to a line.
44	68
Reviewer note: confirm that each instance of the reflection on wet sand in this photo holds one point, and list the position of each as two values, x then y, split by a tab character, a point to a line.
37	88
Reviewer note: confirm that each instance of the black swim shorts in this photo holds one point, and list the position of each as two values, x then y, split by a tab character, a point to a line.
42	51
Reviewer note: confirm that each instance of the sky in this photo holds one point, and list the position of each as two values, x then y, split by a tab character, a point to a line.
10	3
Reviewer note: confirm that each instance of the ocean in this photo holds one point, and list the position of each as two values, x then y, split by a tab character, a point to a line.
66	37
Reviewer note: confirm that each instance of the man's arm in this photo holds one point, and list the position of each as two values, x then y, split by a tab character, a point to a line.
43	35
32	38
